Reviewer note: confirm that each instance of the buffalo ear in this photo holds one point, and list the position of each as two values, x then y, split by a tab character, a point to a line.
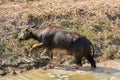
29	28
26	29
33	26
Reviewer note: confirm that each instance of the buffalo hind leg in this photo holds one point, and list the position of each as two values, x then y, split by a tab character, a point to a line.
91	60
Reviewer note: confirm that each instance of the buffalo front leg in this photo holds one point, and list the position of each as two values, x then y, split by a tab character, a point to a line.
78	62
35	46
51	60
48	53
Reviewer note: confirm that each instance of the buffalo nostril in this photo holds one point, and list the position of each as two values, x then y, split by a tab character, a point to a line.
19	39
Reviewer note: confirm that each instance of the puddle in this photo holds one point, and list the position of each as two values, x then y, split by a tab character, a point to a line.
70	77
48	75
104	71
82	77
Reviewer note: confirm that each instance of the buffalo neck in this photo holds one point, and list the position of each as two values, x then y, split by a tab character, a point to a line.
34	34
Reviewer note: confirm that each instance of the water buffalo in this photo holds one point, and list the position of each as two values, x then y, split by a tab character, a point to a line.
55	38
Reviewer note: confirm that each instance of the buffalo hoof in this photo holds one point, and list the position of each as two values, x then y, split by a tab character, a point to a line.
93	68
78	67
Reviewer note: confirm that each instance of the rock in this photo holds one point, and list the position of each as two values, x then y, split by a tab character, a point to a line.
13	72
118	55
114	78
23	66
2	72
22	70
9	69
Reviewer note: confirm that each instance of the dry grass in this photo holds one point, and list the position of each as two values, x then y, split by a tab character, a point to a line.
99	20
72	8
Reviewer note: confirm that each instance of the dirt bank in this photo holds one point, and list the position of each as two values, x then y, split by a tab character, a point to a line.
108	70
98	20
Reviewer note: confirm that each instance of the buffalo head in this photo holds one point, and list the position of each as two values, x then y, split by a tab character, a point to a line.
26	33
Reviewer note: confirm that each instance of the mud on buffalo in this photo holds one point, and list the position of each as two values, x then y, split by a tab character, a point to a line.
57	38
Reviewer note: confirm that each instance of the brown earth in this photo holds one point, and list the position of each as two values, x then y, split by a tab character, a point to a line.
108	70
98	20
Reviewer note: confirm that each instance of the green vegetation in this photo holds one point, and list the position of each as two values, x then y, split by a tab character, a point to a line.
110	51
89	19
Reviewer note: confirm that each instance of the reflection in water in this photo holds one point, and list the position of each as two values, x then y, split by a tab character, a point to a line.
101	69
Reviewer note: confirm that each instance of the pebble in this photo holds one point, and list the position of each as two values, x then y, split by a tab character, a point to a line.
114	78
58	76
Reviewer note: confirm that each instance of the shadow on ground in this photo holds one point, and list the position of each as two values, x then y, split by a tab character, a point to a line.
99	69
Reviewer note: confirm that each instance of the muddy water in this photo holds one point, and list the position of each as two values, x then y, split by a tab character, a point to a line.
109	70
48	75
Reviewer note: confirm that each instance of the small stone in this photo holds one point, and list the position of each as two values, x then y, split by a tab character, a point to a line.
22	70
13	72
113	78
66	79
58	79
65	76
51	75
60	76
